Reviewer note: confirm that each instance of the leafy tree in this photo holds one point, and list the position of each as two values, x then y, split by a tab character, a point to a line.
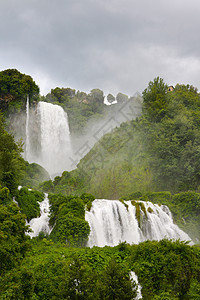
121	98
194	291
155	101
97	95
14	89
5	197
116	284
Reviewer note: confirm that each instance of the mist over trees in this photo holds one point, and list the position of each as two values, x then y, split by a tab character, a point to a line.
157	151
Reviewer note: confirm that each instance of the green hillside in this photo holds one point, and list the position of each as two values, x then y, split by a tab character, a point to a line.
158	151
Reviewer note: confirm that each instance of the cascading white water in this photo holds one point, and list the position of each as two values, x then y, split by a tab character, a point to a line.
134	277
112	222
55	139
27	144
41	223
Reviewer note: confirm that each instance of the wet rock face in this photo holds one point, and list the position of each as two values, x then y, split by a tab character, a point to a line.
34	129
17	127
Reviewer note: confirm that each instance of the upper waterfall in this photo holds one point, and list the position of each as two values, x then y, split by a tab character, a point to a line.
112	222
53	150
55	138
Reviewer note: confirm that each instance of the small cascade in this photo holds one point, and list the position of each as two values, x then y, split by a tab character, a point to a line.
27	144
134	277
41	223
55	140
112	222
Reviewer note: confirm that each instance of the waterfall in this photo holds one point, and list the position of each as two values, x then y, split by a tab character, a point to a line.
41	223
27	144
55	149
134	277
112	222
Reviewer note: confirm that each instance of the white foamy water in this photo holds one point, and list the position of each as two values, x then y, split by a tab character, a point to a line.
139	288
111	222
55	138
41	223
48	141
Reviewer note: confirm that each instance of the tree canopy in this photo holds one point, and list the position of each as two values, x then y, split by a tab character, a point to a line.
154	96
14	89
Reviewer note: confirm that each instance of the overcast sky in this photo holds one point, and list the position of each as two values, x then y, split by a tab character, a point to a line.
114	45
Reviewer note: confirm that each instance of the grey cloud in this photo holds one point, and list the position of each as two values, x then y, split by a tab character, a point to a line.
115	45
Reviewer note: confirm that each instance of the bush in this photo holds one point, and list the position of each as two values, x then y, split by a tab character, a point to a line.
28	202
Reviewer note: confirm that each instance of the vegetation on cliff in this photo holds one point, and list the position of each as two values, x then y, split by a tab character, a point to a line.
67	217
14	89
11	162
14	242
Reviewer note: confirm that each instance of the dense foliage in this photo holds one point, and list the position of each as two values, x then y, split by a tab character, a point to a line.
173	143
165	270
68	218
155	101
14	242
166	267
14	89
11	162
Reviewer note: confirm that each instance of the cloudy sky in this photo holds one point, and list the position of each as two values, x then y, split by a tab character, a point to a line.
114	45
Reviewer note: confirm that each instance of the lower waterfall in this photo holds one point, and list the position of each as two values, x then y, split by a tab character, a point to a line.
112	222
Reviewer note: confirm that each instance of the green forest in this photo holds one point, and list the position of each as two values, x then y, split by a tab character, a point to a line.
154	157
